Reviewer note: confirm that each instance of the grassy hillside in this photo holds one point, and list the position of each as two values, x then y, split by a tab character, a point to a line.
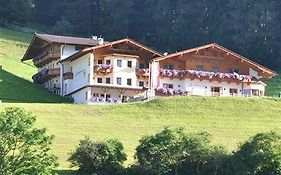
229	120
15	77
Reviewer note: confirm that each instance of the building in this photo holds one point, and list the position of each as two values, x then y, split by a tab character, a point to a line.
209	70
47	50
90	70
113	72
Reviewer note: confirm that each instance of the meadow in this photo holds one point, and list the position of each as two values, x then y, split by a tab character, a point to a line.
228	120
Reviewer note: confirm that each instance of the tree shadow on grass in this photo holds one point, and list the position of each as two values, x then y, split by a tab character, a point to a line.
14	89
69	172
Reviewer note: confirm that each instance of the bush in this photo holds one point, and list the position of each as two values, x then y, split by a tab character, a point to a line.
99	157
23	149
174	152
260	155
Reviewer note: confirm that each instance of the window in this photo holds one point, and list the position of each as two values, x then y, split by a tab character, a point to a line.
107	80
129	82
108	62
233	71
141	84
130	64
168	66
99	80
99	61
170	86
95	95
200	68
89	61
215	69
88	78
87	95
233	91
119	81
71	69
119	63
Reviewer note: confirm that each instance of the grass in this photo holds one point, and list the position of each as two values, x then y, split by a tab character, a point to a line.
229	120
15	77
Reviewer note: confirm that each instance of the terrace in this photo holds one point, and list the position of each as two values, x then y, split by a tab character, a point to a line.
203	75
45	74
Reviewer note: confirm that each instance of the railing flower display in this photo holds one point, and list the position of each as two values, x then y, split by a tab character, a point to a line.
103	67
143	70
169	91
40	74
182	73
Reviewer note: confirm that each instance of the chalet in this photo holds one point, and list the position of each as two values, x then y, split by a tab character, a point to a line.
90	70
209	70
47	50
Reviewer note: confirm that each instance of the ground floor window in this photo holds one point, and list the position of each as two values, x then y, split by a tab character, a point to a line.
99	80
215	91
119	80
129	82
107	80
170	86
141	84
255	92
233	91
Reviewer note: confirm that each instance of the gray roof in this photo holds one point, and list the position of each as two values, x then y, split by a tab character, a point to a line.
68	39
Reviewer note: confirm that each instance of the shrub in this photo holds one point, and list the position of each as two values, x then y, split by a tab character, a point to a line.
99	157
260	155
172	151
23	149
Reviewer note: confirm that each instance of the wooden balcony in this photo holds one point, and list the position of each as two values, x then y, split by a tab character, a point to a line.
103	69
46	75
142	73
68	76
45	57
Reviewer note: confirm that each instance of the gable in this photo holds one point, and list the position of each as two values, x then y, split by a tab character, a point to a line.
212	53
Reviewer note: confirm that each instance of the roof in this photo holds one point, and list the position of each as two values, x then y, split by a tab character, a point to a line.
33	50
215	45
67	39
87	50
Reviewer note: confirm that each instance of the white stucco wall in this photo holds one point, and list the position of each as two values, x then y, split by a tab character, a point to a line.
201	88
80	69
67	50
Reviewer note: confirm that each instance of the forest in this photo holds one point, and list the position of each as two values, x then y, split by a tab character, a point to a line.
249	27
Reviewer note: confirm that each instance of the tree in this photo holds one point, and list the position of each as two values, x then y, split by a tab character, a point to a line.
260	155
172	151
99	157
15	11
23	148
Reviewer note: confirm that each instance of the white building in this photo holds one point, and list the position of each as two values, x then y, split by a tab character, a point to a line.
94	71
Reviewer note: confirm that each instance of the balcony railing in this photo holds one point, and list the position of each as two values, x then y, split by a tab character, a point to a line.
45	57
45	75
181	74
142	72
68	76
103	69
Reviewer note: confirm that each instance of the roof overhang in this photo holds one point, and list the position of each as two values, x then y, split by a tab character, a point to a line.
227	51
110	44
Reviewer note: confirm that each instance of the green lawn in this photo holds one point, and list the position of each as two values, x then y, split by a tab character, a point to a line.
15	77
229	120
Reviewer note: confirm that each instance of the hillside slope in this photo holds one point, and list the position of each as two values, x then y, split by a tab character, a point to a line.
229	120
15	77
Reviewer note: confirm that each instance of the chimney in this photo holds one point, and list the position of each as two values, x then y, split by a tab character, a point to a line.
94	37
100	41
